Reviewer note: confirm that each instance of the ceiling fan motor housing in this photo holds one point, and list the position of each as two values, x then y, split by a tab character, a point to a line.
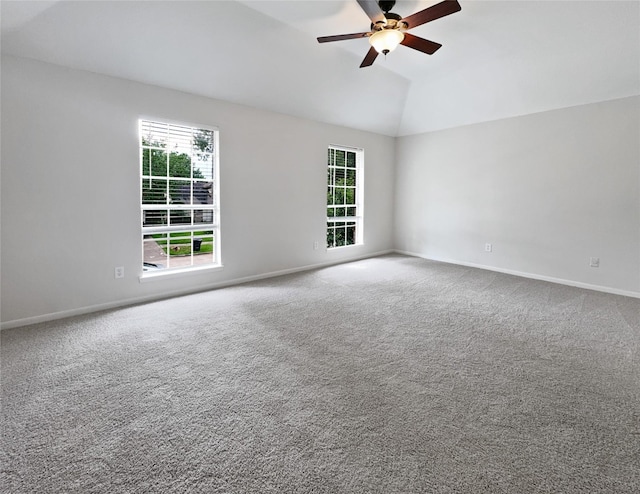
392	22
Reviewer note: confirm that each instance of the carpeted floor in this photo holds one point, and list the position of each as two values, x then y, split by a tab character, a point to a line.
388	375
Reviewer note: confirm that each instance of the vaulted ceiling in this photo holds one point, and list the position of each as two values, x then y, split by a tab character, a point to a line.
499	58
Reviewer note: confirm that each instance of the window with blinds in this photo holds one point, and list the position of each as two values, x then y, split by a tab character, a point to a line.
179	197
344	196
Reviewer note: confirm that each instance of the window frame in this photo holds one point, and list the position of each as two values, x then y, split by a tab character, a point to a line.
357	219
212	226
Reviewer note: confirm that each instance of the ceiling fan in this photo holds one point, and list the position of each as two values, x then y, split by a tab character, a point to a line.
388	30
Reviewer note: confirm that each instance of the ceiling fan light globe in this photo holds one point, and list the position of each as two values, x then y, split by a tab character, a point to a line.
386	40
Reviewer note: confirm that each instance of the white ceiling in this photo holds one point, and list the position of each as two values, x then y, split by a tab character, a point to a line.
499	58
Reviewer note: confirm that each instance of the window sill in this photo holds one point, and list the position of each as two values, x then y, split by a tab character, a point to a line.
176	273
329	249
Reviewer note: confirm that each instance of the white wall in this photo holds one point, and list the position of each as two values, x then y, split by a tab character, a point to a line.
548	191
70	176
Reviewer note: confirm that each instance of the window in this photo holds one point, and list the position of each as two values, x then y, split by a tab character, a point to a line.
344	196
179	197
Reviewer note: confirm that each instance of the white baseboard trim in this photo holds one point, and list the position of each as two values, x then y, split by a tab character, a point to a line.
153	298
560	281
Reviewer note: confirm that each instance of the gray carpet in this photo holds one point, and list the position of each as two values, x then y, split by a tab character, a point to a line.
389	375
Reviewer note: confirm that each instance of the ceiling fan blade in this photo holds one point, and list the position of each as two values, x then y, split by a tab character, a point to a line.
340	37
373	10
372	54
432	13
420	44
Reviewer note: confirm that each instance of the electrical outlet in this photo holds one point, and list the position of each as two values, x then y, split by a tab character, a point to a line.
594	262
316	244
487	247
118	272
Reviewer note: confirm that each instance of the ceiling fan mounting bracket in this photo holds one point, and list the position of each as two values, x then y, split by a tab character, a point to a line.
386	5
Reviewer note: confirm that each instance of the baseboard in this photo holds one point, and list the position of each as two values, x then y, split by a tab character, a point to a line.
533	276
153	298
